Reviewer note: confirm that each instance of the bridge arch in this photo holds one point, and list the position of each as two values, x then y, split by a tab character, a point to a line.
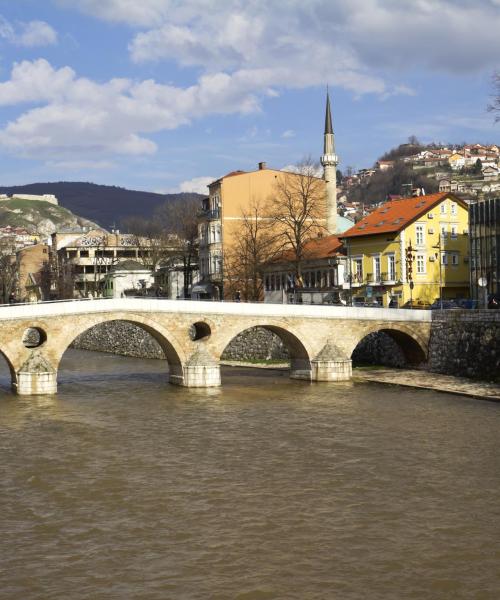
166	339
412	345
12	370
300	353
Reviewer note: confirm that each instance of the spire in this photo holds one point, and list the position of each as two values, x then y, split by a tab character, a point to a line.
328	115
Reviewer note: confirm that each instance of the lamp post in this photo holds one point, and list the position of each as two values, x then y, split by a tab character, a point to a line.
409	270
438	256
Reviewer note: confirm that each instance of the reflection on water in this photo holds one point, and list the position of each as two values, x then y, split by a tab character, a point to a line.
124	487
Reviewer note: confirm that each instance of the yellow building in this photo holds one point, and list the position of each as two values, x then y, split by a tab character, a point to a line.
410	251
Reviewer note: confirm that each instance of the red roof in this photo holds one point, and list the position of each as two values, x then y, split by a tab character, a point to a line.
321	247
395	215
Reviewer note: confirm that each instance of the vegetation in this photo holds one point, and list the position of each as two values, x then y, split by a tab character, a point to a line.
297	209
390	181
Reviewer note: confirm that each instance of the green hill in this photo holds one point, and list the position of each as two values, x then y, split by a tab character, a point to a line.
104	204
38	216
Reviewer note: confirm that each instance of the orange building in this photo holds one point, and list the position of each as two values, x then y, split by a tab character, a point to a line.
237	193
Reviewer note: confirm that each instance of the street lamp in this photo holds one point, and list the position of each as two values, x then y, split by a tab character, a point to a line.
438	256
409	270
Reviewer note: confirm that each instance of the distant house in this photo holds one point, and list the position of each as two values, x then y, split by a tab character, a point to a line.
383	165
127	278
490	173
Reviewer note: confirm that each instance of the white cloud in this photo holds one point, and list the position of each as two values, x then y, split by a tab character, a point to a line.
80	165
85	119
197	184
289	133
31	34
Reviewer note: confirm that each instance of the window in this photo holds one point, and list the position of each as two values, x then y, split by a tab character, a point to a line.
444	232
454	259
442	208
392	267
453	206
376	268
444	258
358	270
420	264
420	234
454	232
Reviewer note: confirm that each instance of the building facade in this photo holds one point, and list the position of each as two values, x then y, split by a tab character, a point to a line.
238	192
484	226
324	271
411	251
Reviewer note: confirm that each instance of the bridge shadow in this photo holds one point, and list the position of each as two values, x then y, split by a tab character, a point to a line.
389	347
266	346
114	351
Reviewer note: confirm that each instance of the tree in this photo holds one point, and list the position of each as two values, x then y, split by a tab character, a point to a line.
150	240
297	210
8	271
179	223
494	107
253	248
478	167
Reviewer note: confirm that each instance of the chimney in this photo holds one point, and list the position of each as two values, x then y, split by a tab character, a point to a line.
262	166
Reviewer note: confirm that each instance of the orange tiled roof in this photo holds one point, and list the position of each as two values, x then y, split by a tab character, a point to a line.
395	215
321	247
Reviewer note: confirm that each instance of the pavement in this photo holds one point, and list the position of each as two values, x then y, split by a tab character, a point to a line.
430	381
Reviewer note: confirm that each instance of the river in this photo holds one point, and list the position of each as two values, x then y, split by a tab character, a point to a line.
123	487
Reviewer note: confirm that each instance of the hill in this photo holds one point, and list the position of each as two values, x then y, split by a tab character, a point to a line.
104	204
39	217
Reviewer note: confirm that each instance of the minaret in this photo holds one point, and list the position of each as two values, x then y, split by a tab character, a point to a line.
330	160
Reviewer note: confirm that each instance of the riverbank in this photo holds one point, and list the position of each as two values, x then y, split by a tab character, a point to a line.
429	381
404	377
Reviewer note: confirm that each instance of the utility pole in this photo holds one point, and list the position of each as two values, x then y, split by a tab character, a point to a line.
438	256
409	270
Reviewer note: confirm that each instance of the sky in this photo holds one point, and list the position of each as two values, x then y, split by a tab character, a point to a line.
167	95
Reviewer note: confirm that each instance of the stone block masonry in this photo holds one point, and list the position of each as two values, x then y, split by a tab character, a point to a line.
463	343
126	339
466	343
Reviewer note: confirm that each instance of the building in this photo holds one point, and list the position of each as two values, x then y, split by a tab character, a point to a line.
127	278
484	227
231	196
410	251
323	275
33	282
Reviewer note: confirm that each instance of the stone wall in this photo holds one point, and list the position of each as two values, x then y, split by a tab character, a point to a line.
378	348
466	343
127	339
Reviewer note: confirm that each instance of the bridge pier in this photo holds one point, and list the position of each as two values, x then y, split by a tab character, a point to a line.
300	368
201	370
36	376
330	365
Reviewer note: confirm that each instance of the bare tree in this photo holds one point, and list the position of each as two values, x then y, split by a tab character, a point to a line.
179	222
298	210
494	107
8	271
150	239
254	246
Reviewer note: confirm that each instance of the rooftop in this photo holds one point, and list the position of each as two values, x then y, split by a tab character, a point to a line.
395	215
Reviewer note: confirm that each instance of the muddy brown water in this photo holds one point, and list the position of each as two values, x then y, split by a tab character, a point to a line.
122	486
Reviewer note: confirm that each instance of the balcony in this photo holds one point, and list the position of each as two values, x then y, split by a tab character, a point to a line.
210	215
373	278
388	278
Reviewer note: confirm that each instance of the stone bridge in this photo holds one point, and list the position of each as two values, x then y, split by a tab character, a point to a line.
194	334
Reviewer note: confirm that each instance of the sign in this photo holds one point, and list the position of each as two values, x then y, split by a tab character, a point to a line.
369	291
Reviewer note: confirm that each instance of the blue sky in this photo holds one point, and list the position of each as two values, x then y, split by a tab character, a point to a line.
164	95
